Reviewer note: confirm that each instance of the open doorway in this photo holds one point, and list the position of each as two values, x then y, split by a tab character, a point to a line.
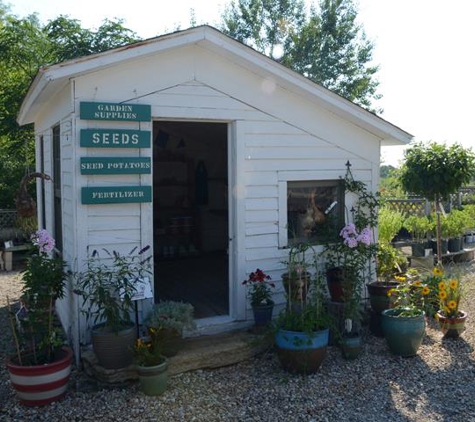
190	212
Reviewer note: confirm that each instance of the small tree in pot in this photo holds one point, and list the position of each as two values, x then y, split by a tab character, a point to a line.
435	171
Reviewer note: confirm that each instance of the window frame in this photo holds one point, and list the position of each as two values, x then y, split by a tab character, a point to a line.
282	186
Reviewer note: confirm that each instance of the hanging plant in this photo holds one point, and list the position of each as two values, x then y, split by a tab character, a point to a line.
25	204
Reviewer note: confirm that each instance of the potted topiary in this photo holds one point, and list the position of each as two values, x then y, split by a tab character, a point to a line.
260	295
173	318
107	287
41	366
435	171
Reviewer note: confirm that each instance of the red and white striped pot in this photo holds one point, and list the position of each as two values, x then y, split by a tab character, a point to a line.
38	385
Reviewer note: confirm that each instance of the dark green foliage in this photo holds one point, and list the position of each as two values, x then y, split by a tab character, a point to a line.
326	45
25	46
436	170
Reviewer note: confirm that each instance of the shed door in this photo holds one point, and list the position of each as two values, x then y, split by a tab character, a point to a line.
190	211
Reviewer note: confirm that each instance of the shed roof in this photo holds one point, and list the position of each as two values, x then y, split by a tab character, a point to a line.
51	79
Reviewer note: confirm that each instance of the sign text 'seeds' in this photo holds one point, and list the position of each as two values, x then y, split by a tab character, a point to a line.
115	165
114	138
116	194
115	111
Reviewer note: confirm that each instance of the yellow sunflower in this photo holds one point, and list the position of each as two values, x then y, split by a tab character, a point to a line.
399	278
425	291
443	294
417	283
437	272
391	291
453	284
442	285
452	304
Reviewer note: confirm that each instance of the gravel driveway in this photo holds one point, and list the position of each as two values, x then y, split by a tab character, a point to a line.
436	385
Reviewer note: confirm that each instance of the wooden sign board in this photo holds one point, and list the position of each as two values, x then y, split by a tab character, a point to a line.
114	138
116	194
115	165
115	111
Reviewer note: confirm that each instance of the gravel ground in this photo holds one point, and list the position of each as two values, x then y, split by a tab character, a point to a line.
436	385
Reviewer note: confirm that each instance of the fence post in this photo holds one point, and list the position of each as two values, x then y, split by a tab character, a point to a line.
427	207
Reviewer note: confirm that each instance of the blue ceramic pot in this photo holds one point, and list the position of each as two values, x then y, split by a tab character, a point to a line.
262	314
301	353
403	334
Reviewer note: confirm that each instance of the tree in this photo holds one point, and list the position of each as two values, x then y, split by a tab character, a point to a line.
25	46
435	171
326	45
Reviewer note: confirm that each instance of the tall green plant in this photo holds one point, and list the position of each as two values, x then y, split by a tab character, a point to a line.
389	224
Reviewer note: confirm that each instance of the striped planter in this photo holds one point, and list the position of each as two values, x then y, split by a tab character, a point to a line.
452	327
39	385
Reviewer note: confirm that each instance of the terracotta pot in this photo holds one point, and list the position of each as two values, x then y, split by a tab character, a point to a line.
452	327
38	385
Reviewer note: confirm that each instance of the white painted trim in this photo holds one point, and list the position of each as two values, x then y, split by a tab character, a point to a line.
282	212
237	191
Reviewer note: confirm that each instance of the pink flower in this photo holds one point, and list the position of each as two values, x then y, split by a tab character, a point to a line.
43	240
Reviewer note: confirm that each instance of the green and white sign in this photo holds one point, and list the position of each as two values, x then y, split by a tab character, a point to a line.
115	165
116	194
115	111
114	138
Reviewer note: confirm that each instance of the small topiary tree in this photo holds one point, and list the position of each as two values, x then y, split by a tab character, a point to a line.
435	171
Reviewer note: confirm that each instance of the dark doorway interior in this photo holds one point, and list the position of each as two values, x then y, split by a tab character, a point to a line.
190	209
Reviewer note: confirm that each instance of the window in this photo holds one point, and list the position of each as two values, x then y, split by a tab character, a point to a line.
315	210
58	222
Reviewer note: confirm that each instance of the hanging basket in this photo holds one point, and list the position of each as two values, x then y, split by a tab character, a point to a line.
25	204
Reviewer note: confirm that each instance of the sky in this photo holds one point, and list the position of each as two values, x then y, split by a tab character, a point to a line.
424	49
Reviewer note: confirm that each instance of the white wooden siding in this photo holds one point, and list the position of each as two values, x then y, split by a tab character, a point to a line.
277	136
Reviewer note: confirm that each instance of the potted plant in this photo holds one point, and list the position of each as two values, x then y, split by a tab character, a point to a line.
150	362
419	227
435	171
451	318
260	295
40	369
302	330
404	324
107	287
453	228
173	318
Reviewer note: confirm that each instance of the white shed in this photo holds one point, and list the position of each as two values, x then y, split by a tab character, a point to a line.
201	147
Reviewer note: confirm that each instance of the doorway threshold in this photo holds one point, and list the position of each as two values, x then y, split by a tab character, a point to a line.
217	325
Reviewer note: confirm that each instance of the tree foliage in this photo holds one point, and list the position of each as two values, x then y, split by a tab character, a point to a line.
25	46
436	170
327	45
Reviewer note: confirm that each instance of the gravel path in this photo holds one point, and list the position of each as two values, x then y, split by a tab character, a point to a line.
436	385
